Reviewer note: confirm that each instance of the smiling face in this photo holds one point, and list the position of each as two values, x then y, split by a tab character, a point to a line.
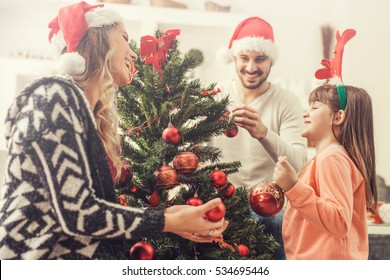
318	122
253	69
123	57
325	119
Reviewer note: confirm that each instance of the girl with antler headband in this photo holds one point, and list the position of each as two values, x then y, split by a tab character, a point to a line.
327	200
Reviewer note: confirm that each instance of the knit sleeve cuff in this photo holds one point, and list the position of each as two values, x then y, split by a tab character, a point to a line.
152	224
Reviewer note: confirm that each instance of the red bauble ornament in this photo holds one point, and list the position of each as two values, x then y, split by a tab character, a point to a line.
218	179
171	135
194	201
266	199
142	250
231	131
154	200
122	199
216	214
243	250
126	174
228	191
185	162
166	177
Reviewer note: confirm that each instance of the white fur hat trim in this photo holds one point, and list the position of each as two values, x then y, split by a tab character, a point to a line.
257	44
71	63
102	16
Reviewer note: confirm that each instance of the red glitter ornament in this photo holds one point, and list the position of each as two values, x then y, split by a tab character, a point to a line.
266	199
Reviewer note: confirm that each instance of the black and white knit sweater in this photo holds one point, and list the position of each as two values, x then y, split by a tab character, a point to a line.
58	200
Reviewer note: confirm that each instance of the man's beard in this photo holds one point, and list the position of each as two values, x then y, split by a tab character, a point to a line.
258	84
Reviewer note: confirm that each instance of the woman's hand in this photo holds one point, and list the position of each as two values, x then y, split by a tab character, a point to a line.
189	222
284	174
213	235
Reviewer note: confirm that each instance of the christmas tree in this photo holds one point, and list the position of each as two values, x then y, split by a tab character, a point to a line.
166	120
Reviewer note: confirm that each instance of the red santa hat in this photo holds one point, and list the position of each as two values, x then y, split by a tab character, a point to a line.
252	34
69	27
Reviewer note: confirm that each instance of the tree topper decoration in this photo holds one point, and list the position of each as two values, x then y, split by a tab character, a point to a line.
155	50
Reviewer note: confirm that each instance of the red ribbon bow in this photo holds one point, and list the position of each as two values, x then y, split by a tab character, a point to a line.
209	92
154	51
132	72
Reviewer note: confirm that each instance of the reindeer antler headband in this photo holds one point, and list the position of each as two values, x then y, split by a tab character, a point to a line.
332	70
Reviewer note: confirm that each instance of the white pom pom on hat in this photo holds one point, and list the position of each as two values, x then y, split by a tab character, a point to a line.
71	63
252	34
225	55
69	27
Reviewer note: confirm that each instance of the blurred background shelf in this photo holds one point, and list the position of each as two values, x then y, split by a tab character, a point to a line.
379	229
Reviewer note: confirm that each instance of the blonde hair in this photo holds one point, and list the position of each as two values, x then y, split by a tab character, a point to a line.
96	50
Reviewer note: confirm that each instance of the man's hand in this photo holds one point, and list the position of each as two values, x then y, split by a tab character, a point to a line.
247	117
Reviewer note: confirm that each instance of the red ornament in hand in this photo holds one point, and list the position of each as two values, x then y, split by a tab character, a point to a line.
266	199
185	162
231	131
194	201
171	135
142	251
216	214
218	179
243	250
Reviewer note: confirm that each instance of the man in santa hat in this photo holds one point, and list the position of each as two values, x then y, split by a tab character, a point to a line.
269	118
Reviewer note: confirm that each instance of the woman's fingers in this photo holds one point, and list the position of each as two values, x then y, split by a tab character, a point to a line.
215	232
199	238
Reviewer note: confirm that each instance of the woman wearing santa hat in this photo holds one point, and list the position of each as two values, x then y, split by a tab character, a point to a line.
58	201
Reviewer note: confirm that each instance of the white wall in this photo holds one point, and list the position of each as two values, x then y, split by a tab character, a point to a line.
297	33
367	65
